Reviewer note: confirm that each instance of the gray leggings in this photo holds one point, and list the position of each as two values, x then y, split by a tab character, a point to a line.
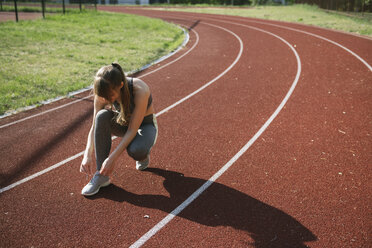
138	149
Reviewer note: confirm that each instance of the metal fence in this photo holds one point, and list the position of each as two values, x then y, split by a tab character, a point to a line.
44	6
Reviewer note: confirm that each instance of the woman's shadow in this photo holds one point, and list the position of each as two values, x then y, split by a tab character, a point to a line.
219	205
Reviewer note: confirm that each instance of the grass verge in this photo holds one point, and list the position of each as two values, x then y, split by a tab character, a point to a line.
299	13
43	59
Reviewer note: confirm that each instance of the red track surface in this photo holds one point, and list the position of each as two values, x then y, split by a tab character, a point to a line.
10	16
304	182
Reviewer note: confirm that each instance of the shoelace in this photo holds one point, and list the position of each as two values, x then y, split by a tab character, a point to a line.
95	179
114	175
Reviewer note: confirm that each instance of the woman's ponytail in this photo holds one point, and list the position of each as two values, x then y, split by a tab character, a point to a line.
124	115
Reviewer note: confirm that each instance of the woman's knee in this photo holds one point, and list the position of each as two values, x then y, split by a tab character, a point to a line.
103	116
138	153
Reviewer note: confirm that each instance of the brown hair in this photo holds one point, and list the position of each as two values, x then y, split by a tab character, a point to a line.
106	79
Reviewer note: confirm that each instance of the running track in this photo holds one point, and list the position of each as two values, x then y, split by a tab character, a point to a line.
286	113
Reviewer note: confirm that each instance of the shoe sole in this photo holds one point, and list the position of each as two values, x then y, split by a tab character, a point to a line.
95	192
142	168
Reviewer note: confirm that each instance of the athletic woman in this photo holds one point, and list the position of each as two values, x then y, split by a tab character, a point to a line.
122	107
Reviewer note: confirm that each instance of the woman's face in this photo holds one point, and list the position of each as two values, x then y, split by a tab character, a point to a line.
114	94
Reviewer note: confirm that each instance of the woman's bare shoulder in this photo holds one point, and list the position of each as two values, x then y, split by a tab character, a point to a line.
140	86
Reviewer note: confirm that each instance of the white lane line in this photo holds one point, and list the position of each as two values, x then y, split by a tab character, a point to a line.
198	192
143	68
320	37
213	80
81	153
41	172
304	32
45	112
161	67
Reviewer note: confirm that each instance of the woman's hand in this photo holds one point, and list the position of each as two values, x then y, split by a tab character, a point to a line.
87	165
107	167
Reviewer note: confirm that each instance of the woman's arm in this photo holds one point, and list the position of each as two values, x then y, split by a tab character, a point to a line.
88	159
141	96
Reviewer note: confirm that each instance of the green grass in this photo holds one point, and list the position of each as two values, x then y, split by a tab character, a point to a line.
43	59
299	13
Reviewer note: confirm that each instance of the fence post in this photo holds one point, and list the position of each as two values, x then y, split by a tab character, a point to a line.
16	10
1	5
43	8
63	6
80	5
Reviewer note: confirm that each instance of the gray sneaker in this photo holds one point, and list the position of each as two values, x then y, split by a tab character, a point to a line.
95	184
142	165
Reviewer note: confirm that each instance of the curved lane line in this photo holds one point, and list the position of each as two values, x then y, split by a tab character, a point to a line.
205	186
241	18
84	98
45	112
81	153
300	31
213	80
319	37
161	67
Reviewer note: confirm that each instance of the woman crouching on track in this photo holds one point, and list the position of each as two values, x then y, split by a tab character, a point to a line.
122	107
